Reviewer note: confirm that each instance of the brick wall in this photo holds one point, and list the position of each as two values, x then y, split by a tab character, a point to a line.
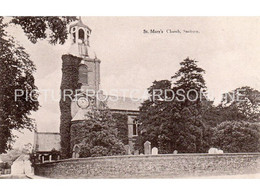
159	166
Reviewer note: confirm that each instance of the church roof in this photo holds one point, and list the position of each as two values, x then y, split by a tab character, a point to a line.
46	141
123	103
80	24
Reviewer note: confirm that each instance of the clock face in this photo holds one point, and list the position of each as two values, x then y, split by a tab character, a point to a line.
83	102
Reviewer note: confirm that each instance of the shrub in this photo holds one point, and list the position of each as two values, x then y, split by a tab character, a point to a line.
234	136
97	136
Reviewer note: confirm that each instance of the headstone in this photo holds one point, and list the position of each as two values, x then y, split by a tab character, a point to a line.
127	150
147	148
213	151
136	152
175	152
141	154
76	150
154	151
220	152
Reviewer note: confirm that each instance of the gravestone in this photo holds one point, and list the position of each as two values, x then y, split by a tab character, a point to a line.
154	151
147	148
127	150
220	152
76	150
175	152
213	151
136	152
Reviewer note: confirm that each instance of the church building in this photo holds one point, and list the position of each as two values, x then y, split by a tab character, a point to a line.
81	77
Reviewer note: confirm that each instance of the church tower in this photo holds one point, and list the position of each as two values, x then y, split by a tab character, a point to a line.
89	67
80	82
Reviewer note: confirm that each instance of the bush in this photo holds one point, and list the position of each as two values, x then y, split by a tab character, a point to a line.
97	136
233	137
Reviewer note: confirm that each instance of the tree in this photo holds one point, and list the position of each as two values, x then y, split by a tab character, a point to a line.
174	124
153	115
190	79
53	28
97	136
243	103
16	72
236	136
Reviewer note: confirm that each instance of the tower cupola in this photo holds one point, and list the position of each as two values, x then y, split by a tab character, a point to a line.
80	32
79	35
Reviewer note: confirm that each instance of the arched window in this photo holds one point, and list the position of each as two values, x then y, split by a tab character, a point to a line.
83	74
135	127
81	35
74	37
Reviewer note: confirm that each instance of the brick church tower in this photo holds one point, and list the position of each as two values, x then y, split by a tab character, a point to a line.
80	82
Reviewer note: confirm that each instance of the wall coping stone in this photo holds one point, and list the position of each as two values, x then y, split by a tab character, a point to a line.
149	156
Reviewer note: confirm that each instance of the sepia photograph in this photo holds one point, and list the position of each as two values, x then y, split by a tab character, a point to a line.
113	97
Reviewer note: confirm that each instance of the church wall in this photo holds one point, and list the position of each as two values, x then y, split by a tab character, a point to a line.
152	166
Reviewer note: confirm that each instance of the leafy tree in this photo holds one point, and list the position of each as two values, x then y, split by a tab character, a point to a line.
97	136
236	136
190	79
174	124
241	104
121	124
16	72
52	27
152	115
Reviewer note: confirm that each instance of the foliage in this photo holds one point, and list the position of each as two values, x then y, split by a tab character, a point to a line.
236	136
69	81
175	125
16	72
241	104
11	155
97	136
189	77
121	124
52	27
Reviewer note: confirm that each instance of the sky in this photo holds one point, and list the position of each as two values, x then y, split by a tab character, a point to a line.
227	48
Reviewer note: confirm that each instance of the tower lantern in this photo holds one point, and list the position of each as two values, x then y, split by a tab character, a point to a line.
79	36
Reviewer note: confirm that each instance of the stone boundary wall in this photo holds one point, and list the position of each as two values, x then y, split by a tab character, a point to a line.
152	166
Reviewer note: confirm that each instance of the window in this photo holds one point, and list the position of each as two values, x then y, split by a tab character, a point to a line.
81	35
135	127
74	37
83	74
